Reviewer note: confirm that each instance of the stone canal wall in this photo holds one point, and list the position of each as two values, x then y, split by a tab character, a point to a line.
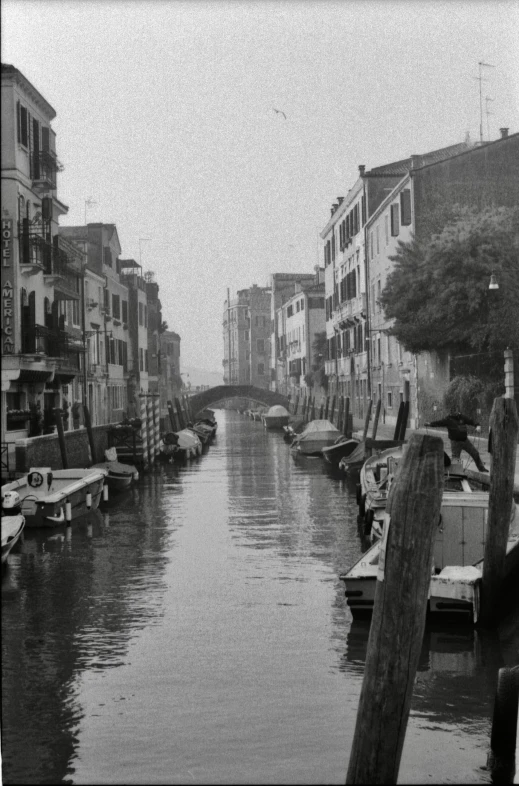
44	451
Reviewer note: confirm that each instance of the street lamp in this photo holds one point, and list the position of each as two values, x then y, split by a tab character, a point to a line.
493	282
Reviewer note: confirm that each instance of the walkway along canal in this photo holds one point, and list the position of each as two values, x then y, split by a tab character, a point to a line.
195	630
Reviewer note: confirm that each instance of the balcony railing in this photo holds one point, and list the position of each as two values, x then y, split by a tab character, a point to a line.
36	249
44	166
40	340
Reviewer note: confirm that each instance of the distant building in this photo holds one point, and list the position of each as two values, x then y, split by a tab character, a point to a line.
298	321
246	337
170	381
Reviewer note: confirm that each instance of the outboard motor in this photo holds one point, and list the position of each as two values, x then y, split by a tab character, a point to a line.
11	504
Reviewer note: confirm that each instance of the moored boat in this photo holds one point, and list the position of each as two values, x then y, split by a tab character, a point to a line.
44	494
342	447
276	417
457	560
180	445
12	527
317	435
120	476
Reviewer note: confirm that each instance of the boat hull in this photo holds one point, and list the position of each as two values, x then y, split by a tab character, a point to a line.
275	422
12	528
334	453
48	509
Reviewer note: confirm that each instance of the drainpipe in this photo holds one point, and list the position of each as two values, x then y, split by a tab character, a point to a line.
367	340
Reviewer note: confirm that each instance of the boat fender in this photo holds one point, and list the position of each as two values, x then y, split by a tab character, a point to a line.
370	515
57	519
34	479
504	719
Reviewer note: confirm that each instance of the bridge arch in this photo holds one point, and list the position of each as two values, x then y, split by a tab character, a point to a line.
206	398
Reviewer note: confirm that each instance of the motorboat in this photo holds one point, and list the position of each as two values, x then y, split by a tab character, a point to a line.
12	527
317	435
354	461
276	417
180	445
377	475
45	494
341	448
120	476
457	560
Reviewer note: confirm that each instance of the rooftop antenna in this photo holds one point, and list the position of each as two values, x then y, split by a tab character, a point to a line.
480	79
487	99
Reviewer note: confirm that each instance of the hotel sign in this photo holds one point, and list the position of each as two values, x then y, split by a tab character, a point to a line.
7	287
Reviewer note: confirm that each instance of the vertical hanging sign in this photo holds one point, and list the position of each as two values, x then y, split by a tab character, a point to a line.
7	287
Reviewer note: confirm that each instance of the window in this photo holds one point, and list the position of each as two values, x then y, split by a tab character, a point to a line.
389	399
23	125
386	229
107	256
302	304
141	315
145	316
146	357
125	310
395	224
116	307
75	313
378	244
261	369
405	207
290	311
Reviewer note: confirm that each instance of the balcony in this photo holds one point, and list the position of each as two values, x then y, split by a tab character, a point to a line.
350	312
40	340
44	167
39	254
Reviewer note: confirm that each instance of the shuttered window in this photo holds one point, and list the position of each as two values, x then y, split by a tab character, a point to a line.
395	224
405	207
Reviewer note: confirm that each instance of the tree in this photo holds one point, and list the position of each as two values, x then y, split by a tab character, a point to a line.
438	291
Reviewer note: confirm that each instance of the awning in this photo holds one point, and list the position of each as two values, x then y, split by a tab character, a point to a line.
64	379
29	375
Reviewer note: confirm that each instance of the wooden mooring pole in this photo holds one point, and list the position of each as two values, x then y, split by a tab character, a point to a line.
504	427
90	433
366	422
375	422
172	416
398	621
346	430
61	437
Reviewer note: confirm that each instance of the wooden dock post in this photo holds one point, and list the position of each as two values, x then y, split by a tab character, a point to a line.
332	408
504	427
172	416
296	404
398	621
321	410
398	421
403	422
340	411
90	433
326	407
346	422
144	430
312	414
375	422
61	437
366	422
180	414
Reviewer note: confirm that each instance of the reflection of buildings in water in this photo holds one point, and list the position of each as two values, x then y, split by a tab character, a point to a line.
74	601
456	675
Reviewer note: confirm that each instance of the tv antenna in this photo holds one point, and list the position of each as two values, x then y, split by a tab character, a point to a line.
480	79
487	100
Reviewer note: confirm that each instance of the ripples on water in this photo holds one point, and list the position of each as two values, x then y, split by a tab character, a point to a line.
195	631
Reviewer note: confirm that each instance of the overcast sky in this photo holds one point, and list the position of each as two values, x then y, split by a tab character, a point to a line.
165	119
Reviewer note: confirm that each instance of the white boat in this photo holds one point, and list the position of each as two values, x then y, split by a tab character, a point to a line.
457	560
316	436
12	528
44	494
276	417
180	445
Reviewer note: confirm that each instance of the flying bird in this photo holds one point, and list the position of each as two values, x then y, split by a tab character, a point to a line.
279	112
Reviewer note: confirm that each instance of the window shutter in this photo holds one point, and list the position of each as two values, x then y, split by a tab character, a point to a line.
405	207
395	228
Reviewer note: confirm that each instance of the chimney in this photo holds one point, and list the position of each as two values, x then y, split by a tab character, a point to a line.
504	133
362	169
416	161
340	200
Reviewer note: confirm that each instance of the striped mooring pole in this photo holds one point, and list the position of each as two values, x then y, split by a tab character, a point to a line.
144	430
151	444
156	423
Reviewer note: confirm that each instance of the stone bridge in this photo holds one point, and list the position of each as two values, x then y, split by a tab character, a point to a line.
206	398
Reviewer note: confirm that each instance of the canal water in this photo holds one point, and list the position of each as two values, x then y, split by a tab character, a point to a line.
195	631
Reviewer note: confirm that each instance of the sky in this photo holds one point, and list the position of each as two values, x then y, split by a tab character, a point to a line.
165	120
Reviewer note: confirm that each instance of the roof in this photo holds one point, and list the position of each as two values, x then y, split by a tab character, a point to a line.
405	164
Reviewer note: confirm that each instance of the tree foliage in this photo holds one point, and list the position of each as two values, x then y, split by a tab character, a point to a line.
438	291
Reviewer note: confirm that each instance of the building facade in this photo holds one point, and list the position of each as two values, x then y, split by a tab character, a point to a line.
41	277
246	337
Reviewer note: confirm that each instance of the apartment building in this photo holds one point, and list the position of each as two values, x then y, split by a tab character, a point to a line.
246	337
170	382
154	328
282	288
298	321
41	276
138	355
